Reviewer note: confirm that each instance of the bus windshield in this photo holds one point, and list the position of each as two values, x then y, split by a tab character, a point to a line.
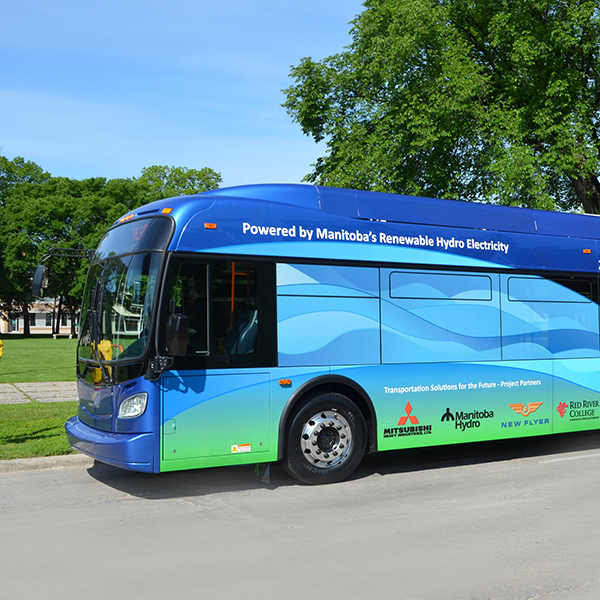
117	307
119	297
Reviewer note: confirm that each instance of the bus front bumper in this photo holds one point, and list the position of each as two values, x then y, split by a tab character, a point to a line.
133	451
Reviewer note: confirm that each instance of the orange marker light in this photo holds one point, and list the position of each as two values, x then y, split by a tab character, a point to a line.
284	382
210	225
587	251
127	218
166	211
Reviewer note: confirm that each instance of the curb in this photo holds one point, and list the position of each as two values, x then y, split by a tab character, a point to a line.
39	463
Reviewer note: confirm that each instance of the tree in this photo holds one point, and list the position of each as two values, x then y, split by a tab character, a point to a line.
165	182
39	212
12	251
486	100
17	171
58	212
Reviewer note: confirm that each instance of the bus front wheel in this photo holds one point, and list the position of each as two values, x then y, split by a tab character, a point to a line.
326	439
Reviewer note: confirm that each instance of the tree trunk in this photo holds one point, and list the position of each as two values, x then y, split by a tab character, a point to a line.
58	314
588	192
26	329
72	313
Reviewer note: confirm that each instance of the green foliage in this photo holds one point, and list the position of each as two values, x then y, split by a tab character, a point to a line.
13	250
35	429
165	182
17	171
34	359
62	213
39	212
489	100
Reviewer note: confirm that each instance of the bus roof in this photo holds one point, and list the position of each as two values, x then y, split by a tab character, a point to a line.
307	222
398	208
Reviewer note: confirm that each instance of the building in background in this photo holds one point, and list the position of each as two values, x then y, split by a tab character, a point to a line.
43	316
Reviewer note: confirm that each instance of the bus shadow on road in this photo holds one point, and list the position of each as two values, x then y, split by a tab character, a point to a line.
203	482
199	482
440	457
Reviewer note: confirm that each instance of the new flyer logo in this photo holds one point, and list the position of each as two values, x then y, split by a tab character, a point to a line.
526	409
404	429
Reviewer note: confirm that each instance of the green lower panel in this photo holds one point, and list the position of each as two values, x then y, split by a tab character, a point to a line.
217	461
216	416
232	418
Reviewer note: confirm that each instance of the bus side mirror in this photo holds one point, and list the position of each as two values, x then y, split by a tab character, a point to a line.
178	336
40	281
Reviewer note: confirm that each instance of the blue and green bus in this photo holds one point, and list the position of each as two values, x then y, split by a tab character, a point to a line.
311	325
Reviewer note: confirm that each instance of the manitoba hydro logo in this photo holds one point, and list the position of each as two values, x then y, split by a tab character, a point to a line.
466	420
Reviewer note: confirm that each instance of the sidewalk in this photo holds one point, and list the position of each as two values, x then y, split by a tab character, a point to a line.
38	463
21	393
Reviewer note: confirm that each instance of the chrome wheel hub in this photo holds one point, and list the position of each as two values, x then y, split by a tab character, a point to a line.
326	439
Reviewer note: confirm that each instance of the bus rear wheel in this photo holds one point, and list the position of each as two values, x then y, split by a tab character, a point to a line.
326	439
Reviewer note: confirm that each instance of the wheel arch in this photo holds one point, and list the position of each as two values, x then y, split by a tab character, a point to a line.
331	383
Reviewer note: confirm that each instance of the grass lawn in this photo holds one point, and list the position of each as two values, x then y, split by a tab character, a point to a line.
34	429
37	359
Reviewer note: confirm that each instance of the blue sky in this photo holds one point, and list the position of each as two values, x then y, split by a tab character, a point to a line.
103	89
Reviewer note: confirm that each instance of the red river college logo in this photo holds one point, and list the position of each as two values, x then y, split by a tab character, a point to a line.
562	409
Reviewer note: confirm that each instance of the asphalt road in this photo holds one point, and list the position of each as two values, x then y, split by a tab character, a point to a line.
510	520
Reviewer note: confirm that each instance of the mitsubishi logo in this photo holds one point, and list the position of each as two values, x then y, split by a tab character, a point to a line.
413	419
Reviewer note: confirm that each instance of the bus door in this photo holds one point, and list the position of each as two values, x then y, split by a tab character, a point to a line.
216	400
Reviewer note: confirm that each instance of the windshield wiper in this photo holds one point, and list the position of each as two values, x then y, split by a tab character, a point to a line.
82	333
97	298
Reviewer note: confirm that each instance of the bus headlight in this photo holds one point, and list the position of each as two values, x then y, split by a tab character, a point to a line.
134	406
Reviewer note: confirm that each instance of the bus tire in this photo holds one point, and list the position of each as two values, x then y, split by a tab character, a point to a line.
326	439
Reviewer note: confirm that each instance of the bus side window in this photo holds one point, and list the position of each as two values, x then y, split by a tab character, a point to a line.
230	311
234	308
243	314
188	298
